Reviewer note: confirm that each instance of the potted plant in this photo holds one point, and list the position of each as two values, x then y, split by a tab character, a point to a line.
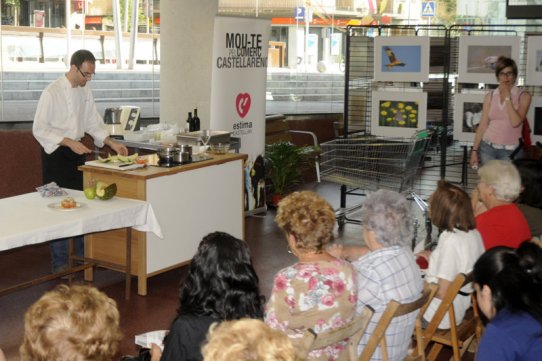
284	164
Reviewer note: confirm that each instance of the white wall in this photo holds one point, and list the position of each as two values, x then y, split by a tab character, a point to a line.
186	36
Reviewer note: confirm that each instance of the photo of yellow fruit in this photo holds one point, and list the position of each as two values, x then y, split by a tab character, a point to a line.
404	114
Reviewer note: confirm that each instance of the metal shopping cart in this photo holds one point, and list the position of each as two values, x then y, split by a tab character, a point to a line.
368	163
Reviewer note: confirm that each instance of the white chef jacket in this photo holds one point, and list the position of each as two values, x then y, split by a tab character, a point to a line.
64	111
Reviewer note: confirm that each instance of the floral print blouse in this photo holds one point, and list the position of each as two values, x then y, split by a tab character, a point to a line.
319	295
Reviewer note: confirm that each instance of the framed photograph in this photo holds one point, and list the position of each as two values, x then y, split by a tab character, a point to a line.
534	115
478	56
398	114
467	115
534	61
404	58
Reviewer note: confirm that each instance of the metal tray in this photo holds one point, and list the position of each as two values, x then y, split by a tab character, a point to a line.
217	136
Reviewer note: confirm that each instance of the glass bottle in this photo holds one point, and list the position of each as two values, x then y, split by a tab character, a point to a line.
196	120
189	123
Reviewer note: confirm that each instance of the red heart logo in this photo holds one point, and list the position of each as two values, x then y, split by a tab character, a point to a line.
242	104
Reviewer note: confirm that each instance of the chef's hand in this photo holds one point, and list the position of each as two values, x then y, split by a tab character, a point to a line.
75	146
117	147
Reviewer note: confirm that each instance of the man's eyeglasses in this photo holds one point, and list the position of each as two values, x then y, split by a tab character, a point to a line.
86	75
507	74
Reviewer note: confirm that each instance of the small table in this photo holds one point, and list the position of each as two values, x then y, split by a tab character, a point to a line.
30	219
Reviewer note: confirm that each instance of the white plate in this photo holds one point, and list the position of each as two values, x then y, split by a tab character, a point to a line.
56	206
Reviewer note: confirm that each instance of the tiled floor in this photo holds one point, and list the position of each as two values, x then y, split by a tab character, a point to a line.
156	310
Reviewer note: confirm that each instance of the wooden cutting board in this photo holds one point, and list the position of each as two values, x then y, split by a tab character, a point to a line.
115	165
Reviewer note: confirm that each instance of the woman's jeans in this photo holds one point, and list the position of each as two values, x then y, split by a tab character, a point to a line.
487	153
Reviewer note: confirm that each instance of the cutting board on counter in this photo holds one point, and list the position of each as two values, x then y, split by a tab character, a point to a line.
116	165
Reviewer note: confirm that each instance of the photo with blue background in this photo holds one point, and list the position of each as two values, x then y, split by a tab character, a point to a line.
408	55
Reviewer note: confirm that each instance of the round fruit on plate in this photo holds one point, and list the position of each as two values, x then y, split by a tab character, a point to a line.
68	203
105	191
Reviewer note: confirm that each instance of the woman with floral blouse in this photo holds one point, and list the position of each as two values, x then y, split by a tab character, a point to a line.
319	291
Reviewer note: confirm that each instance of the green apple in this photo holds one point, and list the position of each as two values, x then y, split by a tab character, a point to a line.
90	192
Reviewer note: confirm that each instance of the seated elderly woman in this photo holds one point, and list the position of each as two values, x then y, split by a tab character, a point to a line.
387	268
498	219
247	340
71	323
319	291
530	198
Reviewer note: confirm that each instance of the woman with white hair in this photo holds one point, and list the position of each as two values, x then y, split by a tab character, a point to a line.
498	219
387	268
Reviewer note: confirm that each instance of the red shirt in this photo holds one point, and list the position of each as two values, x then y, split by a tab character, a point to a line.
503	226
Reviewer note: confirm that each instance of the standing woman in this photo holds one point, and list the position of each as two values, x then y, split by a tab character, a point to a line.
509	293
504	109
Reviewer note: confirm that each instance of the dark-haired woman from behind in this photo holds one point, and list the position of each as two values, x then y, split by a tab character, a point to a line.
459	246
221	285
508	286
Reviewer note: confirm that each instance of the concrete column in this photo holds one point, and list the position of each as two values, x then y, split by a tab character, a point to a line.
186	47
292	47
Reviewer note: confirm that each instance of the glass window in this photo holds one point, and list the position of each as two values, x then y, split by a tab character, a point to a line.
38	39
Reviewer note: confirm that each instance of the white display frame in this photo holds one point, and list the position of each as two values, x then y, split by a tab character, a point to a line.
398	131
487	76
397	73
459	114
535	108
534	58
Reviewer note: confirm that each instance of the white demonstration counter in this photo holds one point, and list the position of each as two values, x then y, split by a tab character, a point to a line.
189	201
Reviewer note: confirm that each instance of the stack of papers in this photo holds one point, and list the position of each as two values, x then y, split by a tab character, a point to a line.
156	337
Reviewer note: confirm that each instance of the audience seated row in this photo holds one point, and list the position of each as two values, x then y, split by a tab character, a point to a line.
323	291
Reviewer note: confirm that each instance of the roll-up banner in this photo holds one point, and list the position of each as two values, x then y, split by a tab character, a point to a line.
238	94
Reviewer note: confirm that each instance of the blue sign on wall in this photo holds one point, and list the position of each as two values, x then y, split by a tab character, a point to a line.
299	13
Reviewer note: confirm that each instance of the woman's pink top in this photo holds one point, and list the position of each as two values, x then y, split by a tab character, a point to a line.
500	130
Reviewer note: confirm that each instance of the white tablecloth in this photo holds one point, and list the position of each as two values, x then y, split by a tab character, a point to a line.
27	219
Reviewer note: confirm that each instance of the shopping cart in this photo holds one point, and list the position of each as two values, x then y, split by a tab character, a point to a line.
365	164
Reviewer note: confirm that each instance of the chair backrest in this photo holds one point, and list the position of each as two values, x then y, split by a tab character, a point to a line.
419	353
446	305
395	309
352	331
457	335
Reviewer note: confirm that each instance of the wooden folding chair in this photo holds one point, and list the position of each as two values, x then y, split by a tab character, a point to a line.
352	331
396	309
458	337
419	353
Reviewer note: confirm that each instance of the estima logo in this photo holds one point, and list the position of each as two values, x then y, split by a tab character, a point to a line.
242	104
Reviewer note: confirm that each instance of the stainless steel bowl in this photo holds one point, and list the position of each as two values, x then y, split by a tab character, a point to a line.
182	157
167	154
185	148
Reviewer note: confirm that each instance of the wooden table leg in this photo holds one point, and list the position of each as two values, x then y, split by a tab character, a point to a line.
128	269
71	248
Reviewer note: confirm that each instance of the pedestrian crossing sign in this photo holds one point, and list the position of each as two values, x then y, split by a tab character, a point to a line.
429	8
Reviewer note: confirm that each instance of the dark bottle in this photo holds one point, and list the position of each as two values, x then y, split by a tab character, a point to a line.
190	123
196	120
